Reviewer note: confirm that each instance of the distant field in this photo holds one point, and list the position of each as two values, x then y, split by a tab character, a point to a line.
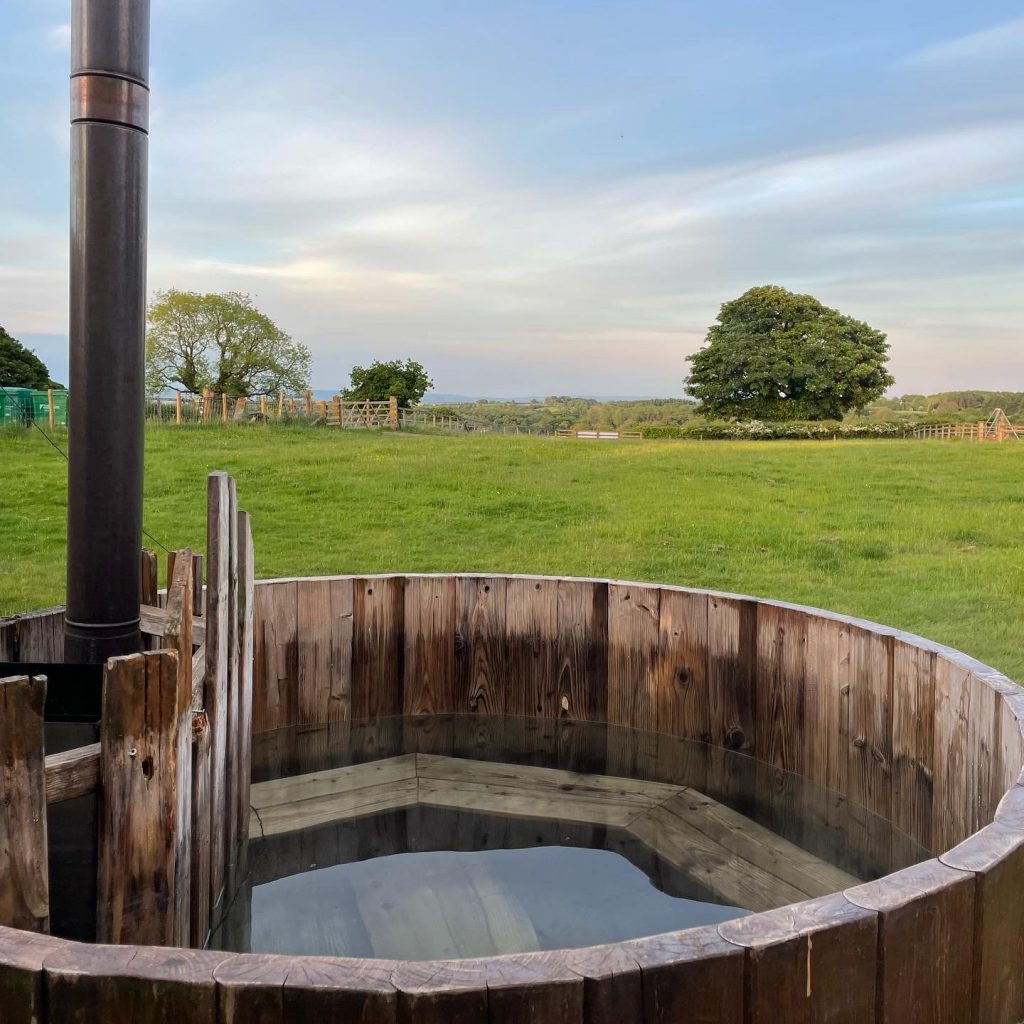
923	535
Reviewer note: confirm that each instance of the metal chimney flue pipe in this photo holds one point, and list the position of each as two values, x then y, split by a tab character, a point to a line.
109	168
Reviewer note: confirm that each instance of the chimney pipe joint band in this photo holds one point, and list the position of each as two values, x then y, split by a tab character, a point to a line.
96	96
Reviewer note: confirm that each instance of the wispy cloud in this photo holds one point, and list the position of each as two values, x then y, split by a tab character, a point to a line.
1003	42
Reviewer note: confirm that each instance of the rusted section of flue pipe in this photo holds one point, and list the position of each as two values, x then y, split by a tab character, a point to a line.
109	166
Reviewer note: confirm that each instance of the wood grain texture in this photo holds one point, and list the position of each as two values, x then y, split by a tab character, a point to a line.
925	940
582	650
232	772
24	877
681	687
996	857
22	982
732	673
85	984
869	754
218	630
781	675
144	817
378	607
340	991
612	984
199	883
275	662
430	684
246	610
633	635
441	992
692	975
250	989
809	964
324	646
538	988
913	741
531	624
826	703
480	648
149	578
953	784
72	773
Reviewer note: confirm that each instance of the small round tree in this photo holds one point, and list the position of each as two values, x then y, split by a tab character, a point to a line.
407	381
21	367
775	355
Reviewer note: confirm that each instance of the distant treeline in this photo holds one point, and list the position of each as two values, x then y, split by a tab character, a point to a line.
675	417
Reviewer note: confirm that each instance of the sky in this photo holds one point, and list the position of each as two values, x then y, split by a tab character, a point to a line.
536	198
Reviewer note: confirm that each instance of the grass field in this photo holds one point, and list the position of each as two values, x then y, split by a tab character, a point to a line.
922	535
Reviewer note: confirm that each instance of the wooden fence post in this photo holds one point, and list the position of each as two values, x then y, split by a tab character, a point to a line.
263	407
338	413
177	408
393	412
232	746
148	571
223	407
280	404
218	540
145	802
309	403
24	879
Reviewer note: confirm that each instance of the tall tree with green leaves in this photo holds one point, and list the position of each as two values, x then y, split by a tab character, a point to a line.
407	381
776	355
221	342
20	367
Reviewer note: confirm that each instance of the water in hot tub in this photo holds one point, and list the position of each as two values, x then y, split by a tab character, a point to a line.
461	836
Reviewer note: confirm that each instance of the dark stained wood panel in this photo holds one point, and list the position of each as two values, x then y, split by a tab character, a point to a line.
582	650
431	675
913	742
378	606
531	617
480	648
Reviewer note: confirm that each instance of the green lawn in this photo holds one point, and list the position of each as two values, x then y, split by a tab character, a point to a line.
922	535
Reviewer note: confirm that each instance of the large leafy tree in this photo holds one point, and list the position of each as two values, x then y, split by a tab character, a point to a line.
222	342
407	381
775	355
21	367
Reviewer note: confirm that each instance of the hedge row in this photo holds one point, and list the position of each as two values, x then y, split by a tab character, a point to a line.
755	430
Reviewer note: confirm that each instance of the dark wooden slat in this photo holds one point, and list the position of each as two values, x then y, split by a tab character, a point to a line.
813	962
612	984
24	880
539	988
377	646
275	660
22	982
218	627
480	649
149	573
926	929
72	773
441	992
690	975
732	653
996	857
246	606
582	650
131	985
913	749
232	772
531	611
250	989
199	886
633	625
869	762
682	682
145	817
340	991
431	676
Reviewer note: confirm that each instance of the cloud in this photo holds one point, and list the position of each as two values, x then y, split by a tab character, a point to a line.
1003	42
58	38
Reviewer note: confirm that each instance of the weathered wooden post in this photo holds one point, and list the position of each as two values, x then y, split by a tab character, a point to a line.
145	801
393	412
24	878
263	407
177	407
280	404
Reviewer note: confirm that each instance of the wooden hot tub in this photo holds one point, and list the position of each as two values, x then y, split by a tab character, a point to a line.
915	732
